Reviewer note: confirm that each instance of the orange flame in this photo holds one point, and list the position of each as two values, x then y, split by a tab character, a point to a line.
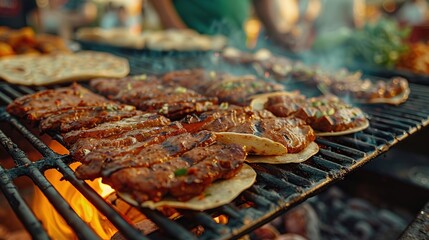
54	224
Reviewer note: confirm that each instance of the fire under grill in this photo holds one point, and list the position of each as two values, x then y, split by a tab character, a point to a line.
277	189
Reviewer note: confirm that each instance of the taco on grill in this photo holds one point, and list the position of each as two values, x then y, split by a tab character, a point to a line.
218	194
327	115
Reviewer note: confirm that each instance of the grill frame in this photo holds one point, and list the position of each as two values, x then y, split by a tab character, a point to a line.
278	188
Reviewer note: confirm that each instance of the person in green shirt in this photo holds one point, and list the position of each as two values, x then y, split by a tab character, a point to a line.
225	17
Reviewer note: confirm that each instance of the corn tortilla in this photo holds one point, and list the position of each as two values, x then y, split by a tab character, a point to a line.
305	154
217	194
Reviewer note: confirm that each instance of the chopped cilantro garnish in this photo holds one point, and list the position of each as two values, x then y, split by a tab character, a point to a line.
180	172
111	108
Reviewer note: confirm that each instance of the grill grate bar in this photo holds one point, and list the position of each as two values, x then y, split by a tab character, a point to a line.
126	229
211	227
339	147
399	116
380	142
73	220
173	229
337	158
289	176
277	183
22	210
398	133
4	98
380	134
395	124
325	164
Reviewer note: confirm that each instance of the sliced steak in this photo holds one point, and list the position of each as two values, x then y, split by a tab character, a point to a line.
238	89
105	161
86	117
113	128
173	102
295	134
84	146
324	113
182	177
196	79
49	102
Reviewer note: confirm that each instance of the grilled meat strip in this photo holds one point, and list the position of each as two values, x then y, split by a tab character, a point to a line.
105	161
196	79
181	177
86	117
84	146
173	102
238	89
111	87
49	102
113	128
324	113
367	90
293	133
227	88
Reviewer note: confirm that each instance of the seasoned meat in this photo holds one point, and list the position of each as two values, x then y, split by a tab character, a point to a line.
196	79
365	89
49	102
221	120
112	128
111	86
173	102
227	88
181	177
295	134
86	117
238	89
105	161
83	146
324	113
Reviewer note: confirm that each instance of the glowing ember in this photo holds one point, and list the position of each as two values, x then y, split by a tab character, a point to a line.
221	219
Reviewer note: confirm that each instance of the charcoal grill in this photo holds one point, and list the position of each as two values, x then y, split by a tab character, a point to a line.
278	187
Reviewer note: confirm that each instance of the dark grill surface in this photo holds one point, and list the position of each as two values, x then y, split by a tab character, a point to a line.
278	187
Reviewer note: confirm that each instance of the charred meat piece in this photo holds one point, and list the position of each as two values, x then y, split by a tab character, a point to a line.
221	120
105	161
84	146
50	102
295	134
324	113
238	89
86	117
196	79
181	177
173	102
112	86
113	128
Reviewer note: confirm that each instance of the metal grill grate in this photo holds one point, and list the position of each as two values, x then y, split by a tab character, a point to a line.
278	187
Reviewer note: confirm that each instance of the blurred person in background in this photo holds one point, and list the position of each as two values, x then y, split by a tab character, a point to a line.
115	17
17	14
414	12
227	17
109	18
74	14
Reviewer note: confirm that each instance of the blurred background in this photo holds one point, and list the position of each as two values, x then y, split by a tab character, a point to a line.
298	18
